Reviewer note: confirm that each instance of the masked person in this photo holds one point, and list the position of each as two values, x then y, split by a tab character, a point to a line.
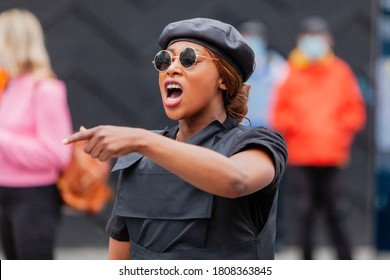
318	109
271	69
34	118
206	188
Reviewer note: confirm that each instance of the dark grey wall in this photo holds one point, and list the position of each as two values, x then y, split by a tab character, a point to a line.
103	51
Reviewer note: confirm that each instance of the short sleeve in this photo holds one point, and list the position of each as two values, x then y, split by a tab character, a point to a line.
117	229
269	141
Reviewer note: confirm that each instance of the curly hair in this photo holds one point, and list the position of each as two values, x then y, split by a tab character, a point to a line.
237	93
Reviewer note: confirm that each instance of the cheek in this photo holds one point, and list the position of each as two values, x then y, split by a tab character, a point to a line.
206	83
204	89
161	84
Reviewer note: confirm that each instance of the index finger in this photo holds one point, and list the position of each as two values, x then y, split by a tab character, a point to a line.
84	134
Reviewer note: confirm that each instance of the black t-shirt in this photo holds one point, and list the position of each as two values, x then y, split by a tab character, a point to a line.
201	221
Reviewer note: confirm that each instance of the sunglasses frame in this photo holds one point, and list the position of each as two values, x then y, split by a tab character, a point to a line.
173	57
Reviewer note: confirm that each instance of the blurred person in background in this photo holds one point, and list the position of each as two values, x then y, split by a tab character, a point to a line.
319	109
34	118
271	69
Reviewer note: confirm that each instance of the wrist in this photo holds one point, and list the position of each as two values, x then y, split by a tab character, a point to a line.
141	140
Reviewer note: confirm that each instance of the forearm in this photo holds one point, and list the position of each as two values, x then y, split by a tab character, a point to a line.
31	153
201	167
241	174
118	250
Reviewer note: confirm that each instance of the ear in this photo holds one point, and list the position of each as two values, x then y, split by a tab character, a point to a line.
221	85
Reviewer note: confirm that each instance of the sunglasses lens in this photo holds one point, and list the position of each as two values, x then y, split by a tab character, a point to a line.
188	57
162	60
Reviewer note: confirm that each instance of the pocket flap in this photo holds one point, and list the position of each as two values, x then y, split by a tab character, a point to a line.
126	161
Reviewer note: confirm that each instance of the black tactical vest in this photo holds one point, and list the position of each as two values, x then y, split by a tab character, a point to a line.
148	191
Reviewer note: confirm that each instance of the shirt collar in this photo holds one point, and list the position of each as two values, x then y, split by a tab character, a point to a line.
209	135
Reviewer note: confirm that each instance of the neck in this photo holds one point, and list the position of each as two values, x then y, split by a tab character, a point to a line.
188	128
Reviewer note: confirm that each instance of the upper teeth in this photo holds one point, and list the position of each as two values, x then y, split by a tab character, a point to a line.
171	86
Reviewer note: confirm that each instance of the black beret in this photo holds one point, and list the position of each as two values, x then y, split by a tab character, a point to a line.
215	35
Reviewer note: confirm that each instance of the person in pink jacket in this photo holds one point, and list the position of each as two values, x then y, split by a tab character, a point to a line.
34	118
319	109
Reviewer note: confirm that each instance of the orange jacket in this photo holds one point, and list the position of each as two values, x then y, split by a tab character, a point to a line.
318	109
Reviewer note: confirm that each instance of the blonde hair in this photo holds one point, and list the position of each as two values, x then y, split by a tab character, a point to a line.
236	96
22	46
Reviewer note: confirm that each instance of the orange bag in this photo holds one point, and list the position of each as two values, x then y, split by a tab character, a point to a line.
84	184
4	77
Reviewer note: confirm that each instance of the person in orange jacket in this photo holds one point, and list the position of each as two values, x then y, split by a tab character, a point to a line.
318	109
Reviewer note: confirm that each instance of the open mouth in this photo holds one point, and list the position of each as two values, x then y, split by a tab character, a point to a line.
174	91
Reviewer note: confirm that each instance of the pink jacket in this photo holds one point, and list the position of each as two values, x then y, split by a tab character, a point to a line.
34	118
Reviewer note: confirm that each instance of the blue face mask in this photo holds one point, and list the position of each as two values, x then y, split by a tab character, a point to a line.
313	46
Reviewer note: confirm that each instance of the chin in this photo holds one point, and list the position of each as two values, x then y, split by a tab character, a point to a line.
172	115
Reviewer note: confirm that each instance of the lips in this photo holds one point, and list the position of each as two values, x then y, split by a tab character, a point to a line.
173	93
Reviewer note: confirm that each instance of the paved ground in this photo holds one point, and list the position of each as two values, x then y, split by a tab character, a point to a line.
290	253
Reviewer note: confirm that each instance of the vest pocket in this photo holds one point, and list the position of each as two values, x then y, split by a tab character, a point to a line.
149	191
126	161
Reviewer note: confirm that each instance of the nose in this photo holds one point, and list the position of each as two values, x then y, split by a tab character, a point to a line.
175	66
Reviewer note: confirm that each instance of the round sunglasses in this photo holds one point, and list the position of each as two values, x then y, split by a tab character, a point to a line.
187	58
